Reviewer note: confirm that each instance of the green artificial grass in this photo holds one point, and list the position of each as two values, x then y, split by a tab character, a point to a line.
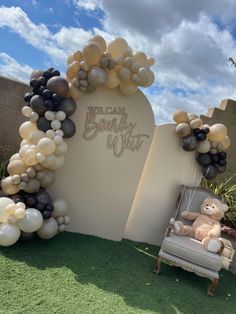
73	273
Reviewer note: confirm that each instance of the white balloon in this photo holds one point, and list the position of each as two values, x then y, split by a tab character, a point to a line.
34	116
48	229
59	162
66	220
26	111
60	220
58	139
9	234
61	149
50	133
55	124
61	228
32	220
4	203
20	213
60	115
60	207
50	115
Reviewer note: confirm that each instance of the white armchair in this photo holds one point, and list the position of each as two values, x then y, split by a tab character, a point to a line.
186	252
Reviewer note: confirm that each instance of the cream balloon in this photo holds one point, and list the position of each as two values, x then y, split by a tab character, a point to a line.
20	213
26	129
70	59
125	74
204	147
74	92
117	47
32	220
112	79
4	203
59	162
150	61
8	187
226	143
26	111
218	132
196	123
92	53
9	234
48	179
100	41
49	161
180	116
128	88
60	207
29	157
16	167
192	116
183	129
61	149
48	229
72	70
77	55
140	58
35	136
33	185
14	157
150	79
23	149
46	146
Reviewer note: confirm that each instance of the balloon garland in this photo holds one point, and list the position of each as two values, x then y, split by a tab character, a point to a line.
29	208
111	65
210	142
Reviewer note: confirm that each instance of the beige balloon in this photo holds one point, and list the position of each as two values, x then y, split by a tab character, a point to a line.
35	136
92	53
226	143
112	79
48	179
128	88
140	58
46	146
8	187
15	157
70	59
192	116
204	147
150	61
77	55
61	149
150	79
117	47
183	129
49	160
29	157
125	74
196	123
72	70
180	116
26	129
33	185
16	167
74	92
218	132
100	41
59	162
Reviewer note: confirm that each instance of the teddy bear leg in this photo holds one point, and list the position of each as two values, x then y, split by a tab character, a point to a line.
181	229
212	245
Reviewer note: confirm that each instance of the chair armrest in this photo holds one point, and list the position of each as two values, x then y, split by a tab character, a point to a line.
170	226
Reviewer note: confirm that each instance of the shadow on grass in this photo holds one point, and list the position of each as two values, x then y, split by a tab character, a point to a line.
126	269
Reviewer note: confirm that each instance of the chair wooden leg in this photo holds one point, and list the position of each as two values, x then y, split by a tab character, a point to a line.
212	287
158	265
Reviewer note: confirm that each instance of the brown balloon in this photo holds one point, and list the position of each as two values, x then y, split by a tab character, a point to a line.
58	85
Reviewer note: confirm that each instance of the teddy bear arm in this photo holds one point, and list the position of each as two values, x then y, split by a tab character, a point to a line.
215	231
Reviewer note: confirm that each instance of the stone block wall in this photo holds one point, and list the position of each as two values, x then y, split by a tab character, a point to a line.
226	114
11	103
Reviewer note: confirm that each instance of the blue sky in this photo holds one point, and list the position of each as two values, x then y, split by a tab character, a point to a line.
190	41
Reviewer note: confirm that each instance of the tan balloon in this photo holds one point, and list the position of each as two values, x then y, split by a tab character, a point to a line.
193	116
29	157
49	160
100	41
226	143
204	147
72	70
35	136
15	157
61	149
92	53
125	74
150	79
140	58
33	185
112	79
74	92
59	162
26	129
218	132
8	187
117	47
70	58
16	167
46	146
183	129
48	179
150	61
180	116
77	55
128	88
196	123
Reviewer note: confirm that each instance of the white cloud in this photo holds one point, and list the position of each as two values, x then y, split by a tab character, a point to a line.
9	67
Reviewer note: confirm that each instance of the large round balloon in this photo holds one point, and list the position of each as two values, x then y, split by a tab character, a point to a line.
218	132
67	105
4	202
100	41
26	129
97	76
9	234
43	124
16	167
32	220
58	85
204	159
8	187
92	53
210	172
48	229
68	128
117	47
37	104
189	143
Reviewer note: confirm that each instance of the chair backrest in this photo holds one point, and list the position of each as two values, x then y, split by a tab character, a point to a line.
191	198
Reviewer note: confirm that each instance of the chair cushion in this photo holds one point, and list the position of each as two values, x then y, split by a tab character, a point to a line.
191	250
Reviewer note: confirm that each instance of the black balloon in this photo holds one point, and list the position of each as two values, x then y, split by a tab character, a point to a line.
43	80
58	85
47	74
214	158
31	201
68	127
222	155
201	136
222	162
220	169
37	104
28	96
26	236
68	105
196	131
46	214
204	159
206	130
210	172
49	105
55	73
188	143
46	94
43	124
43	197
35	83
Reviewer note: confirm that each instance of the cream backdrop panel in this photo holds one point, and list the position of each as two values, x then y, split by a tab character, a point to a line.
166	168
100	182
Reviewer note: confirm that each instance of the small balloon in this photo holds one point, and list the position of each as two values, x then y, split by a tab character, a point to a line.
183	129
58	85
180	116
60	207
48	229
100	41
189	143
97	76
9	234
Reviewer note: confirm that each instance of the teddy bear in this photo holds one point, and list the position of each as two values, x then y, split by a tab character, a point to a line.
206	226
